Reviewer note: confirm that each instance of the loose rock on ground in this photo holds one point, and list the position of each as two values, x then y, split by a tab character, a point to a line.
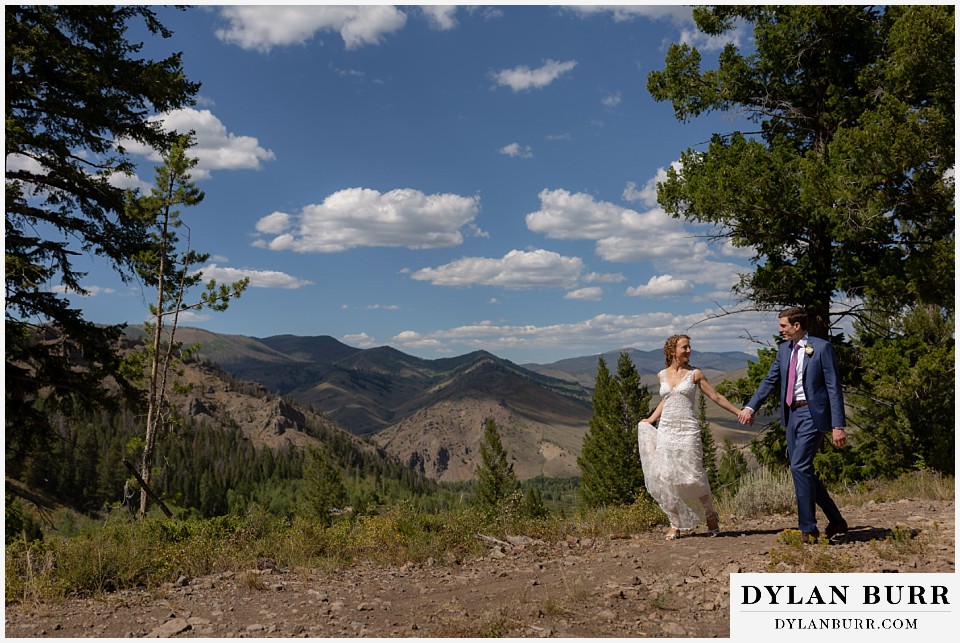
637	585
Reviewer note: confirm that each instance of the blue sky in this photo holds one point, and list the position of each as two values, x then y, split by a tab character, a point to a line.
443	179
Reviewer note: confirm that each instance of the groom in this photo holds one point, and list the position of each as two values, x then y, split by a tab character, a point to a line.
811	404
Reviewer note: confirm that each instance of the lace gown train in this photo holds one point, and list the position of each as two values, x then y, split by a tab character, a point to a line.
672	457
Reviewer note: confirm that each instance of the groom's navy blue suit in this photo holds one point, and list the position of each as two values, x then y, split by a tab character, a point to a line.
806	425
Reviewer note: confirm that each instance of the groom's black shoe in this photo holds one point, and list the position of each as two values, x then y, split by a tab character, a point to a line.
835	528
809	536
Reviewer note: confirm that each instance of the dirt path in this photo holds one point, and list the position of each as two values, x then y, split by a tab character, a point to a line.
639	585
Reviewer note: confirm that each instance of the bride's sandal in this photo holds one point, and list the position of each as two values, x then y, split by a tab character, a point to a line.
673	534
713	525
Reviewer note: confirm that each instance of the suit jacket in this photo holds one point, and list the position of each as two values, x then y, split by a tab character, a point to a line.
821	384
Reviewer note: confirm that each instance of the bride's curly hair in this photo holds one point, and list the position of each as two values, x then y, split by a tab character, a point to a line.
670	347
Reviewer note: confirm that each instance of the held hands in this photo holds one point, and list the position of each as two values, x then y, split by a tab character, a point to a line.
745	416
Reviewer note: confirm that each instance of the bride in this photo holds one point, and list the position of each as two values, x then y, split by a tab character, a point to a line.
672	455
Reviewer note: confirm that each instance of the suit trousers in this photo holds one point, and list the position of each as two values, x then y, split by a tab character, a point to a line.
803	442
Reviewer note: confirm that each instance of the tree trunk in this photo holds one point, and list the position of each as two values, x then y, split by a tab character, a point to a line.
154	396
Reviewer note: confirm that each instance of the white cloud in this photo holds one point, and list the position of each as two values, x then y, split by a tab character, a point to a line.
258	278
360	340
703	270
214	147
565	215
274	223
192	317
685	255
23	163
518	269
676	14
611	101
663	240
487	12
517	151
648	194
412	340
442	17
358	217
261	28
129	182
522	77
621	234
603	278
662	286
703	42
727	249
91	291
710	330
592	293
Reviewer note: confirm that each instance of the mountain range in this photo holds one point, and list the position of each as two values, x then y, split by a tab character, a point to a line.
430	413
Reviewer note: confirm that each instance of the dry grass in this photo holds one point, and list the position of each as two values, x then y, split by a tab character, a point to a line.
145	554
251	580
761	493
905	543
918	485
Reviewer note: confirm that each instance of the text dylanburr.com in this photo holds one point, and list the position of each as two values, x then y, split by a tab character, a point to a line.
856	607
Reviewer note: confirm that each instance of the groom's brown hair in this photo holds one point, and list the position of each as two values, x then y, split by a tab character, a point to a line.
795	315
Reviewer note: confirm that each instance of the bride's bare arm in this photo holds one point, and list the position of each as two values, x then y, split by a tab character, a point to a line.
711	392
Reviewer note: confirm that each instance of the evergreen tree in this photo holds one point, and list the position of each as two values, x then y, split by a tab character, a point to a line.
170	263
611	471
495	478
533	506
846	191
708	444
323	485
733	466
75	87
903	400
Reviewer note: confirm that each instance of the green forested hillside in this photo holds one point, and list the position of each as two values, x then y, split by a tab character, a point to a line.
207	462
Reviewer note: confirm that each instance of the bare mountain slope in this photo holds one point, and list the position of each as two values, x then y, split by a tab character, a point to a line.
429	413
265	419
541	429
648	363
363	390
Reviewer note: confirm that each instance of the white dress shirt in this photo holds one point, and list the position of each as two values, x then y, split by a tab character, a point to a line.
798	395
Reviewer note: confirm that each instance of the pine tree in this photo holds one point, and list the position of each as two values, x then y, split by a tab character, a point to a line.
170	263
76	86
495	477
733	466
634	405
843	186
611	471
708	444
324	488
533	506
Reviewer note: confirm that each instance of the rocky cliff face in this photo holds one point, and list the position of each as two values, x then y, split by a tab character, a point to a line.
265	419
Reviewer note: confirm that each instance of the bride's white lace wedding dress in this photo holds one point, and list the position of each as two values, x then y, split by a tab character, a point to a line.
672	457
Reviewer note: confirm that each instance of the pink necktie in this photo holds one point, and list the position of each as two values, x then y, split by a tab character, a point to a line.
792	375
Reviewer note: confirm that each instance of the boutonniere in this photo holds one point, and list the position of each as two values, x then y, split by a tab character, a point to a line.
808	349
